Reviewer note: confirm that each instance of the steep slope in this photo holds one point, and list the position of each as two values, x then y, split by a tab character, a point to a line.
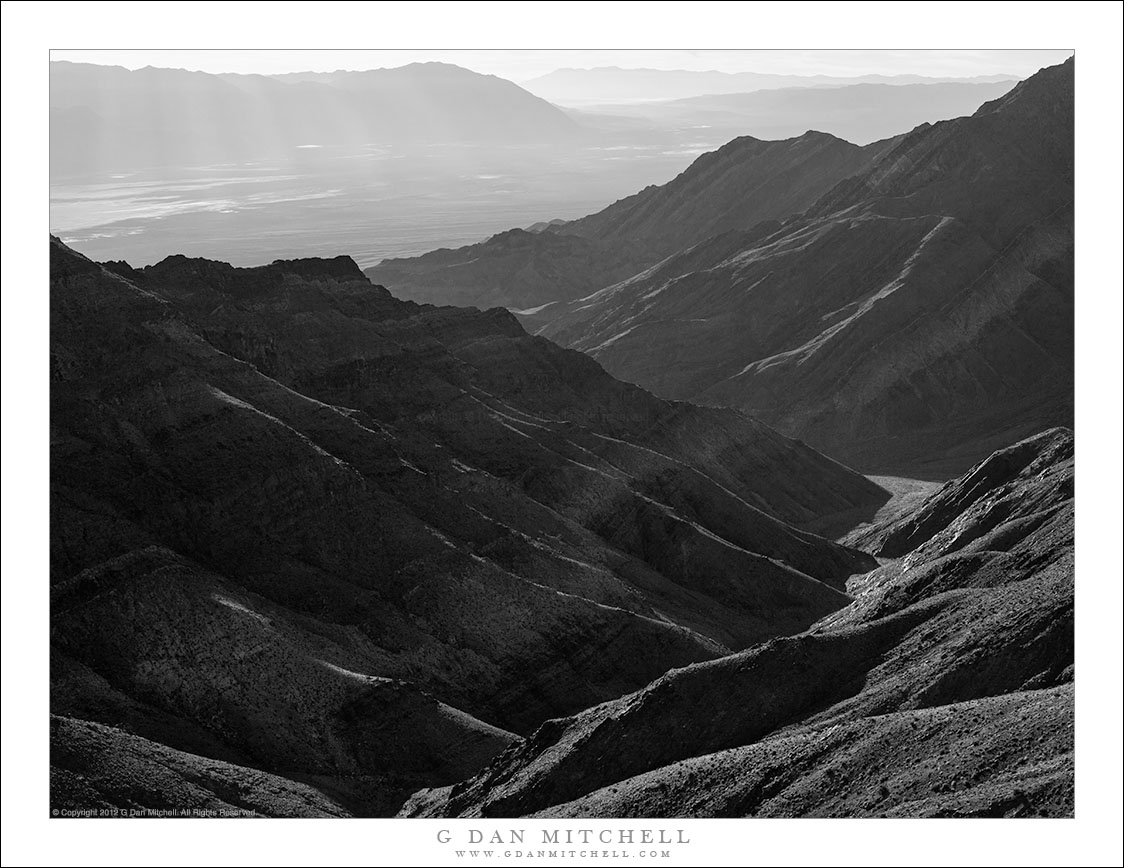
295	520
1005	756
944	689
742	183
917	317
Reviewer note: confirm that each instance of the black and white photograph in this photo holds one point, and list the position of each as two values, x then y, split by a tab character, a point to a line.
547	453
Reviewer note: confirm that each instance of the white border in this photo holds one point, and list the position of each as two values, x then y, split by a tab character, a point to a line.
30	29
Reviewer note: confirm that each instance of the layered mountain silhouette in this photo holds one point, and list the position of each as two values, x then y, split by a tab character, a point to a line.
945	689
111	118
303	529
742	184
906	307
612	84
859	113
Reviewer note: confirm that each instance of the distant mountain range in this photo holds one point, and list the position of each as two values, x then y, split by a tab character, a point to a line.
742	184
907	306
859	113
610	84
108	117
747	181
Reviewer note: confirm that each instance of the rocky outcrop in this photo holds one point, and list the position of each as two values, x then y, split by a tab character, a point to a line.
945	689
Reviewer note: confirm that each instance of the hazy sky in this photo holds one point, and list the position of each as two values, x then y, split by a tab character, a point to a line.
520	65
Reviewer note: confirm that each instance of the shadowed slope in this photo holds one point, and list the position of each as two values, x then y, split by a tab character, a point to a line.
265	478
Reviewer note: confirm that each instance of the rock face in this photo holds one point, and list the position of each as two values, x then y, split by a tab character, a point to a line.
302	528
944	689
914	319
738	186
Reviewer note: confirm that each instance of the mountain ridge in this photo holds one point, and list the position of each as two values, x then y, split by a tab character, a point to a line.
415	524
115	119
616	84
952	251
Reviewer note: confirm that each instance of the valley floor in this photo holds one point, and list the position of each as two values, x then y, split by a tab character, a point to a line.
852	526
905	496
